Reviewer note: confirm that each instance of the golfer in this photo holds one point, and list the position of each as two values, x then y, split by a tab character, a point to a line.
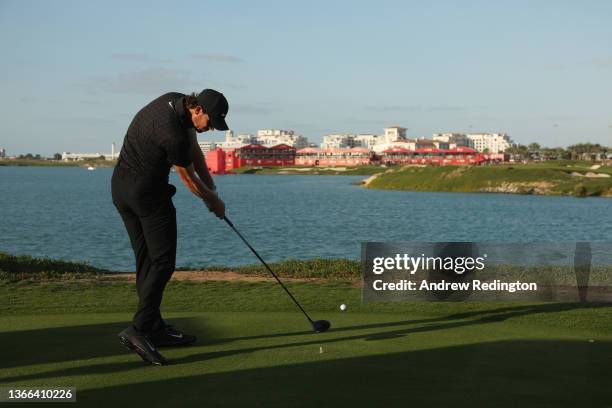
161	135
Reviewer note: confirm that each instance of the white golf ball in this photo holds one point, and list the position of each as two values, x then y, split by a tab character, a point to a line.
343	307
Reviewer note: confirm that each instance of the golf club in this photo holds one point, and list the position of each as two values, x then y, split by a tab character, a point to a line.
318	326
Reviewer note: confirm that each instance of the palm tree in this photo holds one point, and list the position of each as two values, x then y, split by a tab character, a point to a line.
534	147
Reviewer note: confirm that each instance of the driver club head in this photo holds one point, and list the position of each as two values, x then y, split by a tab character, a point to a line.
321	326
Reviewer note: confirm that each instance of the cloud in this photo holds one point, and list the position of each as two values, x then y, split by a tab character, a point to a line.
27	99
365	121
148	81
602	62
559	118
79	120
557	66
391	108
424	108
248	109
232	85
451	108
215	57
554	118
138	57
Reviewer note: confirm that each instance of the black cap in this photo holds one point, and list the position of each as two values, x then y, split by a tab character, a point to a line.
215	104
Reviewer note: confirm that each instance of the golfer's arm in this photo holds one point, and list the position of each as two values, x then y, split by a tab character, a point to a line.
203	191
199	164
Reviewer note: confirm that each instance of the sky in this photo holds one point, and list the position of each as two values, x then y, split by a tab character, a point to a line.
73	73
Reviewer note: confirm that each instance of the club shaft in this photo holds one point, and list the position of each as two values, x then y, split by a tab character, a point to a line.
268	268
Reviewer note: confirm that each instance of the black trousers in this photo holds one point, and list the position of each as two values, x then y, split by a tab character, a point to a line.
150	220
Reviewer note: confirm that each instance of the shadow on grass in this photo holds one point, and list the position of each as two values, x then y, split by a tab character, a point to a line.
496	374
61	344
480	316
95	341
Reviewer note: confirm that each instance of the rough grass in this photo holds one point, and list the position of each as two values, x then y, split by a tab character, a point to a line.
27	268
294	268
540	178
23	267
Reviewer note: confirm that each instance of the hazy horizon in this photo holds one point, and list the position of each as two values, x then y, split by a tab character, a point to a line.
74	73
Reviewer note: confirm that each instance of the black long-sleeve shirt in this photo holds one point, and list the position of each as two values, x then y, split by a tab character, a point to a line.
157	138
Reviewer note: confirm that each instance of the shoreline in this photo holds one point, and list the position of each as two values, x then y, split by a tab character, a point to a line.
553	178
55	163
546	179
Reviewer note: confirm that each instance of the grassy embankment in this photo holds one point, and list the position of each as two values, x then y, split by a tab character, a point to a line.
27	268
549	178
256	349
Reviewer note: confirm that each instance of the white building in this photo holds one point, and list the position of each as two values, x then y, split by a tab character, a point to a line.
207	146
401	144
393	134
113	154
347	141
265	137
439	144
2	153
491	142
234	142
66	156
393	137
338	141
273	137
456	139
366	140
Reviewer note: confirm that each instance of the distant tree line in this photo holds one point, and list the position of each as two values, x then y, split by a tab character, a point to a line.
532	151
56	156
579	151
30	156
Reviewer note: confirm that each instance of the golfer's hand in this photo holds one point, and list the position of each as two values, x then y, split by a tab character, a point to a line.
217	206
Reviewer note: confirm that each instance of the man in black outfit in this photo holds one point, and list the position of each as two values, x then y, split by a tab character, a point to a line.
162	134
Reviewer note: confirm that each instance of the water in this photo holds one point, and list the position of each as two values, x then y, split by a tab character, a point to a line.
67	213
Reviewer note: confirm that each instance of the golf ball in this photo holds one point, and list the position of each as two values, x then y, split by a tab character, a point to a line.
343	307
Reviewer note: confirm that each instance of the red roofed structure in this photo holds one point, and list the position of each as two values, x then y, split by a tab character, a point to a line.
219	161
430	155
333	157
215	161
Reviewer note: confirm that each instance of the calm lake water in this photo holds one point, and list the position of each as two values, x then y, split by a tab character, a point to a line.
68	213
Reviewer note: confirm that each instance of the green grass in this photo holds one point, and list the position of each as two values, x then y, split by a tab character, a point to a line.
294	268
23	267
549	178
255	349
